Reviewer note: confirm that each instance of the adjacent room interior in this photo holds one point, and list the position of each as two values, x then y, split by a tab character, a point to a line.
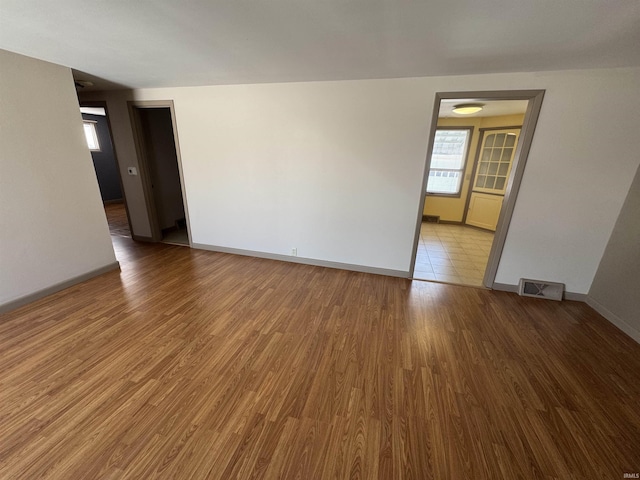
98	136
158	158
474	147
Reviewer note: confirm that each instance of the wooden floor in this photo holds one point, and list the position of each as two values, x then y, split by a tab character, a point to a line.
191	364
117	219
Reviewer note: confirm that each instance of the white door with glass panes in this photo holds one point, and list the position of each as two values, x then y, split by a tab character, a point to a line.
492	175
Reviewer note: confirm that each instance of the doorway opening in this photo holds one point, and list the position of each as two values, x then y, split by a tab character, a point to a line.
161	173
474	166
97	129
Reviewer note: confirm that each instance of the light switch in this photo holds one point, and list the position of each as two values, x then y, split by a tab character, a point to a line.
132	170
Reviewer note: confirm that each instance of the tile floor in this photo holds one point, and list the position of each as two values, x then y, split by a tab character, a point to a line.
452	253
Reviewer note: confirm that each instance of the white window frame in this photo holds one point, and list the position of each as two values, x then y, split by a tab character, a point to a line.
448	171
91	135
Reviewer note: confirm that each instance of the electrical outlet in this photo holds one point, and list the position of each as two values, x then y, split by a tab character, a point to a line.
294	252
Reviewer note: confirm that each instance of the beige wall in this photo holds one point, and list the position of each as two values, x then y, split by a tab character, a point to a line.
451	209
54	227
335	168
614	291
503	121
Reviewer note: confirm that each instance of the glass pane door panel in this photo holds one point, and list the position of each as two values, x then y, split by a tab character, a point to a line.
495	162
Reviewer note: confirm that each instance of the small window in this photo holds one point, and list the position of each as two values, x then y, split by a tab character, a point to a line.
448	160
91	135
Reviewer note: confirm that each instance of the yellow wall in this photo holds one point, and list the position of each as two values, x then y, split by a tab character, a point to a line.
451	209
502	121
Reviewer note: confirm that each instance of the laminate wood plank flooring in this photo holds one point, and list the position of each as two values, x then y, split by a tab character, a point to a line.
117	219
190	364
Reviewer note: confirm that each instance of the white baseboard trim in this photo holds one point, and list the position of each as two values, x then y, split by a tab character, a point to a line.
32	297
576	297
505	287
303	260
613	318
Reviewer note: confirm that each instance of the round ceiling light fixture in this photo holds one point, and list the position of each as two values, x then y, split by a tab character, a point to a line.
468	108
83	83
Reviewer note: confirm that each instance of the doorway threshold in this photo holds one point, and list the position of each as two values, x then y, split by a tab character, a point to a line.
177	237
479	287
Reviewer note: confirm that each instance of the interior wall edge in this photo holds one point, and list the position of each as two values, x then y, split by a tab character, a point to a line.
576	297
613	318
50	203
582	297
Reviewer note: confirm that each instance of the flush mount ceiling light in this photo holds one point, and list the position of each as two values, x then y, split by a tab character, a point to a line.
83	83
468	108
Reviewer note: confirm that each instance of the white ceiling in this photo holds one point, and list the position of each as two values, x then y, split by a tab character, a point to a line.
152	43
491	108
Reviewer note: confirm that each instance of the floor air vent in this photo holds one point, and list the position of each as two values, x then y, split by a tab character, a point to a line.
540	289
